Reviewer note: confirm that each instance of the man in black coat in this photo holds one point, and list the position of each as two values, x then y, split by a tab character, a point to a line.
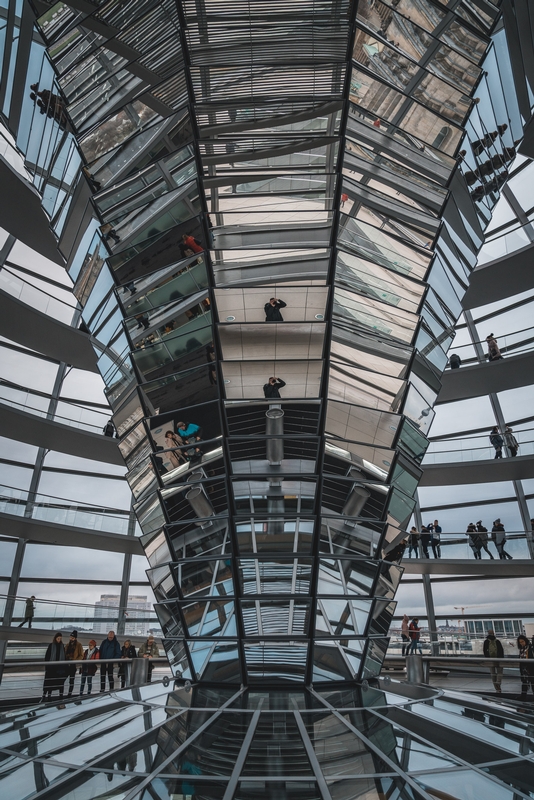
271	390
272	310
493	648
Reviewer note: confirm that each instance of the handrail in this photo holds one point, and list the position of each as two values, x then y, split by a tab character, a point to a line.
82	661
71	503
70	605
504	348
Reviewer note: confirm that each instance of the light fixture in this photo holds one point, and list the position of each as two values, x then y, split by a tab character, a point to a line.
387	463
227	380
319	316
230	318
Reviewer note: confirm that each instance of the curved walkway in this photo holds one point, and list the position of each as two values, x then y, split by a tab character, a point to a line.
12	633
36	530
504	277
481	379
23	324
483	471
29	428
460	566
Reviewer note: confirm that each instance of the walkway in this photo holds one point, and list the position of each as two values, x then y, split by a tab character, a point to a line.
477	380
42	432
36	530
460	566
483	471
504	277
23	324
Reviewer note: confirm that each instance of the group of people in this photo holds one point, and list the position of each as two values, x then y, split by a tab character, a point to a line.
493	648
61	666
507	438
430	536
478	539
183	443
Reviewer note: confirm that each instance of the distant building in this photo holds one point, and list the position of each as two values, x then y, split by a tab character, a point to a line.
138	609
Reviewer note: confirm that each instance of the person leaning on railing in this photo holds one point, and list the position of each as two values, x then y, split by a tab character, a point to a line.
149	650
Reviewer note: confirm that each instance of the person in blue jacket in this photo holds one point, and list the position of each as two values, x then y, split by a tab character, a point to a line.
110	648
187	429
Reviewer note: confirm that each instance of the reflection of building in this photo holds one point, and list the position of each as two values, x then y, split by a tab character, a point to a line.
138	609
219	154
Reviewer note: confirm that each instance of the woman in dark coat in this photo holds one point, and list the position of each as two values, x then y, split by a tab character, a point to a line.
527	669
55	674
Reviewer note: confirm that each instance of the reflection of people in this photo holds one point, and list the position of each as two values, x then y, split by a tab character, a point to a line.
527	670
272	310
143	321
210	358
28	612
55	674
344	198
404	633
271	390
149	650
176	457
192	244
187	429
493	648
108	232
49	103
189	767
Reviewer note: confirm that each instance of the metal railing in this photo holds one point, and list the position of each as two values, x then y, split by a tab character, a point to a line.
62	511
24	682
462	546
476	447
53	615
510	344
505	244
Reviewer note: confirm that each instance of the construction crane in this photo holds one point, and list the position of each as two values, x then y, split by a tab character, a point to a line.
462	609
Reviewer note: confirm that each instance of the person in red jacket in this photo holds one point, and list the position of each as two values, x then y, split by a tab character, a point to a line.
190	243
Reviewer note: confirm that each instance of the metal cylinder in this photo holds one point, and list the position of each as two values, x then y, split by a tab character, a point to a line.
414	668
199	502
195	477
138	672
274	425
355	501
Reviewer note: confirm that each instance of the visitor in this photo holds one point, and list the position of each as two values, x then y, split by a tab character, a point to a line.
55	674
435	529
526	670
455	361
493	648
272	310
109	429
191	244
413	542
474	542
483	539
510	441
494	354
186	430
271	390
128	651
426	539
88	670
149	650
73	652
498	536
110	648
415	635
29	611
405	635
497	441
